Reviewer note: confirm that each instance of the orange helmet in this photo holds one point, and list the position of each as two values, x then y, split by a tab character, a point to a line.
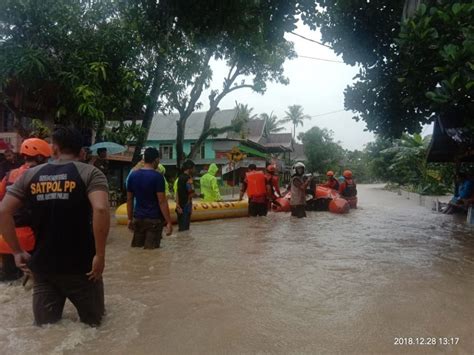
347	174
33	147
330	173
271	169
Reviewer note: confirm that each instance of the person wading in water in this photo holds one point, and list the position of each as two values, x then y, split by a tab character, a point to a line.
149	212
70	217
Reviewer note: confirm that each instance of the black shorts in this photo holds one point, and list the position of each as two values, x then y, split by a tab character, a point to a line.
298	211
147	233
258	209
51	290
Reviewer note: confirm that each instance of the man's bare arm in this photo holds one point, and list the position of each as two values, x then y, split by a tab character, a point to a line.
8	206
165	210
164	207
100	219
130	206
101	224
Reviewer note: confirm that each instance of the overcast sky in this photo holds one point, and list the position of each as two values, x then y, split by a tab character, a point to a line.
316	85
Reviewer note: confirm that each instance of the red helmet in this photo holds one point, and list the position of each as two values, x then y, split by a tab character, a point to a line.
347	174
330	173
271	169
33	147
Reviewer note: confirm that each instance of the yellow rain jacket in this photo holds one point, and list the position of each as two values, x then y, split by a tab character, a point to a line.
209	187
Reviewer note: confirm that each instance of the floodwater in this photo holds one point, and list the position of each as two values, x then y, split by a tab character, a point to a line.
327	284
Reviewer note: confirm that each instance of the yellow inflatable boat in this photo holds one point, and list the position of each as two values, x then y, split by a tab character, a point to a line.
202	211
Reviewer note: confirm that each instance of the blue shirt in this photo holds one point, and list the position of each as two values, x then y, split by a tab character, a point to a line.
145	184
466	189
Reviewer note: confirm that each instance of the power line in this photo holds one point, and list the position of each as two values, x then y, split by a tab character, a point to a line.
311	40
321	59
326	113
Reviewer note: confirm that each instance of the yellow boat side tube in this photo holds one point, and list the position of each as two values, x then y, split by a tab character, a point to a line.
202	211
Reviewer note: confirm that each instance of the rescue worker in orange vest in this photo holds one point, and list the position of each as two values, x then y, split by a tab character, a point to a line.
258	188
272	176
35	151
348	189
332	181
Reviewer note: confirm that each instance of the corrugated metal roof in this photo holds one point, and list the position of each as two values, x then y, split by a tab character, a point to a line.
163	127
451	141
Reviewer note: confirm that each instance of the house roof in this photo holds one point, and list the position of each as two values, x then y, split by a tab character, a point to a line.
451	141
163	127
298	153
277	141
255	130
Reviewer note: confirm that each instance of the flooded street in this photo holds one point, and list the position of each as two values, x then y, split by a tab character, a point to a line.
326	284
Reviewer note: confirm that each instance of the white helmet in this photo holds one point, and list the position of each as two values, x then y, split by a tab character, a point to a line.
297	165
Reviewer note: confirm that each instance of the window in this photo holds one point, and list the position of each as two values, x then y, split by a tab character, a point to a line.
201	154
166	151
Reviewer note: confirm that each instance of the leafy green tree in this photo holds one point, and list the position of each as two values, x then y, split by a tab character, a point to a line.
379	163
409	167
322	152
410	70
357	161
409	161
123	133
250	54
71	61
295	116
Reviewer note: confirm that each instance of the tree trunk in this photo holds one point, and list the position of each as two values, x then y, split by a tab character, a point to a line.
205	132
148	117
214	102
180	128
186	110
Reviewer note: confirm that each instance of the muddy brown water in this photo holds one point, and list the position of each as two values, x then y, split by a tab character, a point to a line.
327	284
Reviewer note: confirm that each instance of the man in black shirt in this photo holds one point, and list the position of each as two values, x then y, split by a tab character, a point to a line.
70	218
184	196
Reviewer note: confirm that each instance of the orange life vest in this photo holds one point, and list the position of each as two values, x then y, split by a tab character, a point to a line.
332	184
24	233
256	184
348	188
10	179
26	238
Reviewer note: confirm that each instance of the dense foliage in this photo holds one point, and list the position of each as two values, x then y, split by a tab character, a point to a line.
322	152
399	161
410	70
71	61
403	162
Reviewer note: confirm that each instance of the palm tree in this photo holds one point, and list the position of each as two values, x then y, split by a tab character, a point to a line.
244	112
244	115
409	160
296	116
272	123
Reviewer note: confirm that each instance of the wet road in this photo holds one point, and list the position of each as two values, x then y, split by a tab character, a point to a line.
327	284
